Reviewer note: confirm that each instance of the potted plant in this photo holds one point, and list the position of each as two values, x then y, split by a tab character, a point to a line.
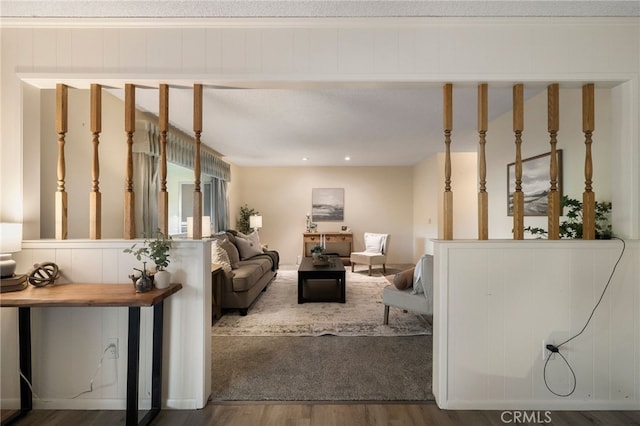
156	250
244	224
318	256
571	227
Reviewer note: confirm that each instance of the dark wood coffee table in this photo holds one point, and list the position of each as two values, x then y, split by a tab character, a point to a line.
307	273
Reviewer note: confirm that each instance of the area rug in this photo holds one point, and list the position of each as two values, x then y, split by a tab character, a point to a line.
326	368
277	313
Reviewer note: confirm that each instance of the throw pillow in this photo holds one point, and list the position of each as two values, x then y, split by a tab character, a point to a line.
247	248
232	252
417	279
253	237
404	279
373	243
219	255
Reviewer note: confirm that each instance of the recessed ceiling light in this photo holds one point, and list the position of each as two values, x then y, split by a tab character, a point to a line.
347	158
304	158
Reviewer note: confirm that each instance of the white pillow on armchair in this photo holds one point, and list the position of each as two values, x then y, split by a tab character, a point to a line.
374	243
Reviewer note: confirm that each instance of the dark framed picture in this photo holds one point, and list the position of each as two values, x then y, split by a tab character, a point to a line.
327	204
535	183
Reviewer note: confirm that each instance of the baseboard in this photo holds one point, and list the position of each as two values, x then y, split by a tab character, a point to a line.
505	405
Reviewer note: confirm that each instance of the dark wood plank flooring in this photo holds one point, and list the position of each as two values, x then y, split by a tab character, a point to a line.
330	414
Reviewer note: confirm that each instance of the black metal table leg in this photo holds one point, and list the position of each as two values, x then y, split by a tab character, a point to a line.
24	353
300	287
133	364
24	332
156	364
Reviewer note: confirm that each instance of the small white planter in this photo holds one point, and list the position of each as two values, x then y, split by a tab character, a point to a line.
162	279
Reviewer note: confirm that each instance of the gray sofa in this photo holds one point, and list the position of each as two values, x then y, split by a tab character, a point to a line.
247	277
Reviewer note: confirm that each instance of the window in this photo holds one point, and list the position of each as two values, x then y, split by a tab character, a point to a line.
186	202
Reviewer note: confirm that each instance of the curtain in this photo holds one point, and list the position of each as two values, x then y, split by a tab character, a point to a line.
221	205
180	151
146	186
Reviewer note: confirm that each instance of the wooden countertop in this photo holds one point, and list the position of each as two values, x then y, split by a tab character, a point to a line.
84	294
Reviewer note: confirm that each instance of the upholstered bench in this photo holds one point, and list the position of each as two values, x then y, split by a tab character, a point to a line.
419	297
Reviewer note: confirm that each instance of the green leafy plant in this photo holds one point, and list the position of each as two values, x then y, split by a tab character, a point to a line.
571	227
243	224
317	249
156	249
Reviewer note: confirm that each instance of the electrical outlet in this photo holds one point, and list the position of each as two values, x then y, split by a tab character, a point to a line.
112	348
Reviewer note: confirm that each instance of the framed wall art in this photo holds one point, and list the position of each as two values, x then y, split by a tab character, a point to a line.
327	204
535	183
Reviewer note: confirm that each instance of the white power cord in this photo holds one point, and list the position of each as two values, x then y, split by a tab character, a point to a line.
91	389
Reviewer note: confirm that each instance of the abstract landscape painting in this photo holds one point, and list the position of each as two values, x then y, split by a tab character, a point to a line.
327	204
535	184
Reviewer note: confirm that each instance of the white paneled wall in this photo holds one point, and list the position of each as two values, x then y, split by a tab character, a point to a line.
496	301
68	342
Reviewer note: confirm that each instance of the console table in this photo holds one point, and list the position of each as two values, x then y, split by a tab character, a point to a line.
340	241
99	295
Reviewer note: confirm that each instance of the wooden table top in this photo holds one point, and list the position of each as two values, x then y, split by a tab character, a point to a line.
83	294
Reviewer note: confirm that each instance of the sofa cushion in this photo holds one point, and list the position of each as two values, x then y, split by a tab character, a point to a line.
247	248
246	276
264	262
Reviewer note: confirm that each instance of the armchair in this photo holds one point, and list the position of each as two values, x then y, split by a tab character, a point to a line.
375	252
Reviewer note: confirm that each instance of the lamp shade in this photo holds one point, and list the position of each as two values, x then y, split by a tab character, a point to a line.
206	226
255	222
10	237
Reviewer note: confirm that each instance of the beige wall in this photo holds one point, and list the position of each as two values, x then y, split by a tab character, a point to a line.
501	151
377	199
428	189
78	154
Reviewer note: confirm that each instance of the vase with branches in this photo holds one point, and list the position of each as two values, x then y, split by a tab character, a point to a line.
157	250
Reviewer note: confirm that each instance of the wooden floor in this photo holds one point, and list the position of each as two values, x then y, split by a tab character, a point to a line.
335	414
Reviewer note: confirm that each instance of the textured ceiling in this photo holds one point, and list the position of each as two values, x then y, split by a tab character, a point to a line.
312	8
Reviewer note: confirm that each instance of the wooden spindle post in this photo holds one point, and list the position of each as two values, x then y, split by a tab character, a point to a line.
163	196
588	196
448	195
61	194
95	197
553	125
197	129
483	196
129	128
518	195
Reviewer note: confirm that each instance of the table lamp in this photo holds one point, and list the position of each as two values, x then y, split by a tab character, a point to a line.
255	222
10	242
206	227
